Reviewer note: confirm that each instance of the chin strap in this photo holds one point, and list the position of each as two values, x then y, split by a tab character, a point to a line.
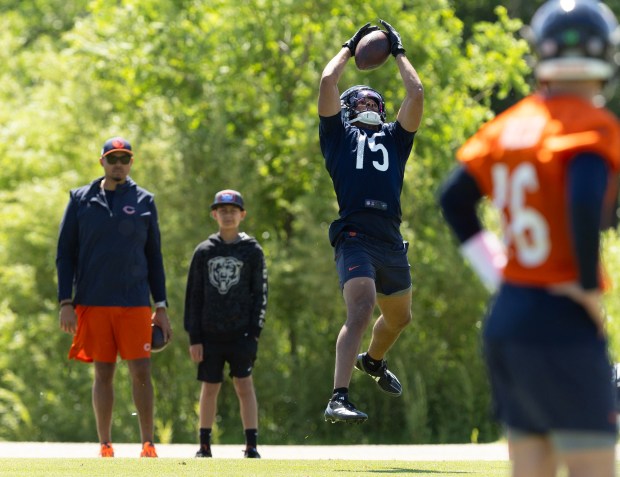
486	255
367	117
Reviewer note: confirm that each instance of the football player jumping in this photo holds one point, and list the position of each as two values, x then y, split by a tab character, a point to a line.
366	158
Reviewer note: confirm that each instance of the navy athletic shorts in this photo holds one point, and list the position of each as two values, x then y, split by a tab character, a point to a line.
358	255
240	355
542	385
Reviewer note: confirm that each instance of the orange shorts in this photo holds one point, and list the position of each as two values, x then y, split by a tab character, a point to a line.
103	332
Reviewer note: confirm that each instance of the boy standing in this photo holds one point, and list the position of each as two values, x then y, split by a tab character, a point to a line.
225	306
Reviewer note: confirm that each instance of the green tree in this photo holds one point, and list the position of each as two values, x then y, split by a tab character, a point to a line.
223	94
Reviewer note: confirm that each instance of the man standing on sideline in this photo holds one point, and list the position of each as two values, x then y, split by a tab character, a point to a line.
366	158
225	306
550	165
108	262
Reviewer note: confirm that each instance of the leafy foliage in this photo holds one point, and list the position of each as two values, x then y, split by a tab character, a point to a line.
217	95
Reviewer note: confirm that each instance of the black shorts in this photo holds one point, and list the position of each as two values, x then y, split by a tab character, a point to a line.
239	354
358	255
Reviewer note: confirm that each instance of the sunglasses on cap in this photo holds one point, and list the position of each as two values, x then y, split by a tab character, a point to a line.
125	159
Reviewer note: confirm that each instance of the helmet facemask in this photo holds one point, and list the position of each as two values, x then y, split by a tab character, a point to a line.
351	98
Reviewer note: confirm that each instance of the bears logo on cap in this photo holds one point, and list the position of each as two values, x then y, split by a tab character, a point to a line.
116	144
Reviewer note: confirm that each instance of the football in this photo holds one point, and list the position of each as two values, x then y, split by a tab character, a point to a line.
372	50
157	339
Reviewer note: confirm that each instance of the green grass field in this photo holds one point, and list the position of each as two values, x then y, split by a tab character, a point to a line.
127	467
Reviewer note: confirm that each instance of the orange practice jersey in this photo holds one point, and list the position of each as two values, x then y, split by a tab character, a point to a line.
520	160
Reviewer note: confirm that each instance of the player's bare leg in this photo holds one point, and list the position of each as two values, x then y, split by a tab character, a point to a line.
103	399
396	315
532	457
359	296
591	462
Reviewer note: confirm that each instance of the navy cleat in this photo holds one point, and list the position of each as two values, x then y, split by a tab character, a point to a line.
384	377
204	451
340	409
251	453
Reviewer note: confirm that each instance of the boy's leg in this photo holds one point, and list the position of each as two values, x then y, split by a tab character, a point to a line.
208	403
248	405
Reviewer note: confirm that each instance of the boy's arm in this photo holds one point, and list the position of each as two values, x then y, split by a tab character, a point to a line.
259	294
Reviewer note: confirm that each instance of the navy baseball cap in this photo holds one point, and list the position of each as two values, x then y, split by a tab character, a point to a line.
115	144
228	197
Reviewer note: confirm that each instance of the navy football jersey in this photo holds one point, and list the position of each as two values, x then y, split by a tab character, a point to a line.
367	168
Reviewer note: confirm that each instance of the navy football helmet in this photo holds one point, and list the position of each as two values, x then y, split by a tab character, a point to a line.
349	100
574	40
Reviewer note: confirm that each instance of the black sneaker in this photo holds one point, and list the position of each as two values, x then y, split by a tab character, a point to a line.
384	377
340	409
251	453
204	451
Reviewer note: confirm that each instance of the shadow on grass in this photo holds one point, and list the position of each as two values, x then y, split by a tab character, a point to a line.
404	471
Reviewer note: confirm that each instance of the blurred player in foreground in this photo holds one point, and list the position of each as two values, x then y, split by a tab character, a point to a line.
366	158
550	165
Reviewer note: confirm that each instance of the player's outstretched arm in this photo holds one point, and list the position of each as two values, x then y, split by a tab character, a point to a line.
329	96
412	108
